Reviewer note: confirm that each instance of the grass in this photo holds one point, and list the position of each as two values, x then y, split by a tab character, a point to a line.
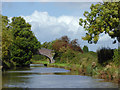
50	64
39	62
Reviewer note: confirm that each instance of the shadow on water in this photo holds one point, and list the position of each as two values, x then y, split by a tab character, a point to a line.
39	76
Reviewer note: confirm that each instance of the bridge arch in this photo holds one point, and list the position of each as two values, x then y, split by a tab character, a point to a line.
48	53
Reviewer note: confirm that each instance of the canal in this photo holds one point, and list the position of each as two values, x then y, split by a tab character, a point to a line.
39	76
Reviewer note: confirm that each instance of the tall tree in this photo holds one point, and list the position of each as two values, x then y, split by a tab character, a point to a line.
103	17
6	41
25	44
6	38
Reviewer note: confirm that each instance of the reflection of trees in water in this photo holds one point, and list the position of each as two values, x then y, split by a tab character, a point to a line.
15	77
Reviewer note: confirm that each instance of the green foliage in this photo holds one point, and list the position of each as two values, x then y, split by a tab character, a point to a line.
6	64
104	55
25	43
67	57
47	45
74	57
65	49
103	17
69	52
89	69
85	49
57	56
18	42
116	57
7	39
38	57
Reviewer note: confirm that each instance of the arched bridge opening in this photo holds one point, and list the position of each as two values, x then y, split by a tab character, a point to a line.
48	53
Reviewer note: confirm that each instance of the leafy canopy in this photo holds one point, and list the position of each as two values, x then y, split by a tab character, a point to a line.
25	44
103	18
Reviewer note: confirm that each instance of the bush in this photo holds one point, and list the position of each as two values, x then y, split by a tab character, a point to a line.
8	64
104	55
57	56
68	56
85	49
89	69
38	57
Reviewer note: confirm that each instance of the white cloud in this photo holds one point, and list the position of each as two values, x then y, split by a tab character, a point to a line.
10	19
48	28
104	37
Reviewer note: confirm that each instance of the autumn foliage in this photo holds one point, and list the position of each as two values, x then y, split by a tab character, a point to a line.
65	43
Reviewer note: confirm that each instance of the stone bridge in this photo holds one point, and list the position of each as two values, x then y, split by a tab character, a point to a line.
48	53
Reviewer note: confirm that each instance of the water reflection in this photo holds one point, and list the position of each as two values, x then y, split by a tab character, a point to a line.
38	76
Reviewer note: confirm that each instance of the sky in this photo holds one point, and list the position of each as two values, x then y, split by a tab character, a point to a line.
52	20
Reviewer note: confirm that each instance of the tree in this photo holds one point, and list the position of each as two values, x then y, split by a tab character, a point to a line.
6	41
103	17
64	42
0	39
59	44
65	39
75	46
47	45
25	44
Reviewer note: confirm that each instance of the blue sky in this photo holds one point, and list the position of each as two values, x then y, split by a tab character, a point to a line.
53	8
51	20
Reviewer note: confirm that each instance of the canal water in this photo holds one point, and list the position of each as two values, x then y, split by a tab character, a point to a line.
39	76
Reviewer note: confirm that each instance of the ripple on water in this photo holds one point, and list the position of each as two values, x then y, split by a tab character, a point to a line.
49	77
41	70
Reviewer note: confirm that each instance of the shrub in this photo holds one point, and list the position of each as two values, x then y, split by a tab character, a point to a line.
68	56
89	69
57	56
85	49
6	64
104	55
38	57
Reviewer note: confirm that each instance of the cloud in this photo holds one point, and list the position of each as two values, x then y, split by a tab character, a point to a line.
104	37
48	28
